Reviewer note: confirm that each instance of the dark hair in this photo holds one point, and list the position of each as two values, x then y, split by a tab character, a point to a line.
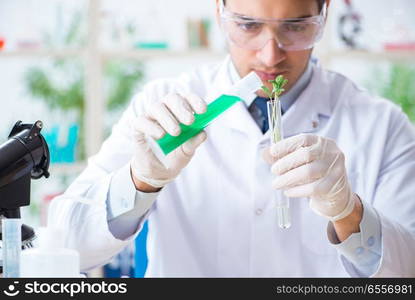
319	2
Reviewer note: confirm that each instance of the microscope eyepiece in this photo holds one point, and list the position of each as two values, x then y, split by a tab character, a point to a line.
24	156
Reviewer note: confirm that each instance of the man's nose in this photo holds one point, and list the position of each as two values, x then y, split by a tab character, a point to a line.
271	55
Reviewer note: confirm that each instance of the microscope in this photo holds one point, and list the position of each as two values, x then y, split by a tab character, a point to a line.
24	156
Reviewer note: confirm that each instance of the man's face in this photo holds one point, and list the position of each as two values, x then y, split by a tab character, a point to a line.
270	61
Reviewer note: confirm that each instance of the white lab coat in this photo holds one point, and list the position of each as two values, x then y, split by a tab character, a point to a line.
218	218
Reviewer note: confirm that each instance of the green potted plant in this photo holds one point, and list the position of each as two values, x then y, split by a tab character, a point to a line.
398	85
46	84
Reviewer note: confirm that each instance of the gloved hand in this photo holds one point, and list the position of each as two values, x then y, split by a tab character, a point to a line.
312	166
162	117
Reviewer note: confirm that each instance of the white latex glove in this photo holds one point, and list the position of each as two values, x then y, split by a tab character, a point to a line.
312	166
163	117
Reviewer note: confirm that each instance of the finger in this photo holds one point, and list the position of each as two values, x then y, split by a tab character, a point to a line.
164	117
191	145
317	188
266	155
180	108
301	175
198	105
148	127
301	191
286	146
185	152
296	159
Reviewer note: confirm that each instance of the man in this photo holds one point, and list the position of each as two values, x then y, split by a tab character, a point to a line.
347	163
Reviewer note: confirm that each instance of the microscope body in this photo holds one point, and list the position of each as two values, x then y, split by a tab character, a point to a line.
24	156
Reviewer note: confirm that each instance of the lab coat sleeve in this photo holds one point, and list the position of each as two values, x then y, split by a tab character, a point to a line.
393	198
82	210
125	216
362	250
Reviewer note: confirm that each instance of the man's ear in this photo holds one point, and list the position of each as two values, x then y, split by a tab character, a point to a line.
217	11
328	5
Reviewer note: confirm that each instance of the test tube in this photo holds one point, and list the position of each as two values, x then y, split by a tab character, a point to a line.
12	247
275	127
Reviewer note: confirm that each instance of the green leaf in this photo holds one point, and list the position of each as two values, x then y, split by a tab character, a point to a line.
277	87
267	91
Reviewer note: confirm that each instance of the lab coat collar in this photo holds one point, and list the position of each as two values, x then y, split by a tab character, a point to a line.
237	117
314	102
302	117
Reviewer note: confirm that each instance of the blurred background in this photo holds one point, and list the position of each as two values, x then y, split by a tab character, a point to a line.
75	64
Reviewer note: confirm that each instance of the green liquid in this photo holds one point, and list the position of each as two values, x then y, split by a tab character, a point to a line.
168	142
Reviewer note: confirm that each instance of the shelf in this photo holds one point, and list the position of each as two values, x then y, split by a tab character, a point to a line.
124	54
156	54
372	56
41	53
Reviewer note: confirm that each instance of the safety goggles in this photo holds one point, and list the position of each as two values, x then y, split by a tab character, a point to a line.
254	33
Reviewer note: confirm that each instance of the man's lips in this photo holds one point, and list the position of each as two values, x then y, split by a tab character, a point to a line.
265	76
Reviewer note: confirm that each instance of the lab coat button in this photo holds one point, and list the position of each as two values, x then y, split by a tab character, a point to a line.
263	144
359	250
371	241
258	212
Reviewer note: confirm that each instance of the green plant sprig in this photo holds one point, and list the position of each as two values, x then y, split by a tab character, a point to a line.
275	114
277	87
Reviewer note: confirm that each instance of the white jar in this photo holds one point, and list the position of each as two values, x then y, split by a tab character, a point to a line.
50	259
